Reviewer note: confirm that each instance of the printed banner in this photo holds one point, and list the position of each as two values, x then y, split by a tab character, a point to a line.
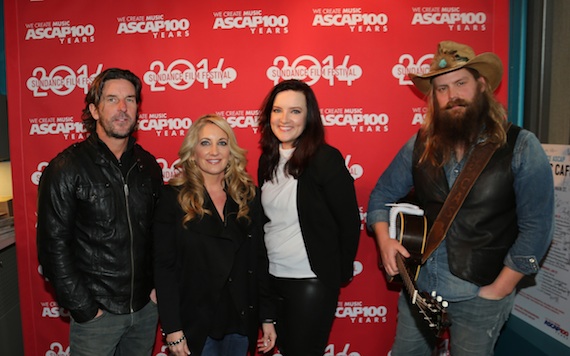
224	57
546	305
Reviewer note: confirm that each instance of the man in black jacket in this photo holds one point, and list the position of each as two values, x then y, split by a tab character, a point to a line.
95	204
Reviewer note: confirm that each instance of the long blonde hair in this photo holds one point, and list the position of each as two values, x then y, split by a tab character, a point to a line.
495	132
237	182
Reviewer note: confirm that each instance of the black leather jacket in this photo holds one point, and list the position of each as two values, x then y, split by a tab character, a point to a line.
93	232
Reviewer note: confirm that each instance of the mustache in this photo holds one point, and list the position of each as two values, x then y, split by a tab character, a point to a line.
456	102
121	116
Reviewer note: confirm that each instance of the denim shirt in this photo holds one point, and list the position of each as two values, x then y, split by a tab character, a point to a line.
534	191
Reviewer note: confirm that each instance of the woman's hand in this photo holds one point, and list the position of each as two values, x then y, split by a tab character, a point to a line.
176	342
267	341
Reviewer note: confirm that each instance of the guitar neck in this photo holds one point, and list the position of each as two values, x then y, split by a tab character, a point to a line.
406	278
413	234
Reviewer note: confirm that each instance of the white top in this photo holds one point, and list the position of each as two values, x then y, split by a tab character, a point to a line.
283	239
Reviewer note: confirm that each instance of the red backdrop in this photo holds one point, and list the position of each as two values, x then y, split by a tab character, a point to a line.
220	56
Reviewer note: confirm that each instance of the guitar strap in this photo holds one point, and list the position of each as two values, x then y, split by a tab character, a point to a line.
478	160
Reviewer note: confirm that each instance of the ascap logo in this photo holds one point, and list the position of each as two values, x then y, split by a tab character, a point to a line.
353	18
61	80
168	171
356	119
407	64
181	75
253	20
163	125
63	31
157	25
449	19
358	313
450	16
66	126
556	327
309	69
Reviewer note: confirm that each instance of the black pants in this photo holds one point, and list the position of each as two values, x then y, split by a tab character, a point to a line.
305	316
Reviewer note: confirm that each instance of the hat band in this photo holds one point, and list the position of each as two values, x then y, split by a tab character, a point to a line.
443	63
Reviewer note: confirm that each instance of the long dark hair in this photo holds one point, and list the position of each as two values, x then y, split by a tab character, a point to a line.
96	90
306	144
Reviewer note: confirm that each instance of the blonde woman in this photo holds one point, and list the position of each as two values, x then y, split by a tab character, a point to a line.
211	267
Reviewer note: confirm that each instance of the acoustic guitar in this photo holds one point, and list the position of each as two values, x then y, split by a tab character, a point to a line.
411	232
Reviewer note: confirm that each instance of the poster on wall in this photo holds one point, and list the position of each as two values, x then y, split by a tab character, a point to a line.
223	57
546	305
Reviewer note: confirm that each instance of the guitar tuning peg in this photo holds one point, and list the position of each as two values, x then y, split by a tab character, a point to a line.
433	293
439	298
444	304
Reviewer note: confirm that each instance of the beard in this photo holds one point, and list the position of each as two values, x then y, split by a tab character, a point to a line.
459	123
116	128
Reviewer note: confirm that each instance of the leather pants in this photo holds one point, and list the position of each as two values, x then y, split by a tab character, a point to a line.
306	312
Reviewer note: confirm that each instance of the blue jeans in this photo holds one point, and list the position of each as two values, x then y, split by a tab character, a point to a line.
230	345
115	334
475	327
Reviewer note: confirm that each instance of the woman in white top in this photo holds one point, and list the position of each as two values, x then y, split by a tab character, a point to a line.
313	220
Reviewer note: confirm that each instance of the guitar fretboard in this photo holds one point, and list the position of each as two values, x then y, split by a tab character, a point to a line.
406	279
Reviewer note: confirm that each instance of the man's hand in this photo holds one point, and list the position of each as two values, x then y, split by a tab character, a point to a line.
388	248
502	286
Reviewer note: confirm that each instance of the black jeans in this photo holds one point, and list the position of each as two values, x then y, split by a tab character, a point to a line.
305	315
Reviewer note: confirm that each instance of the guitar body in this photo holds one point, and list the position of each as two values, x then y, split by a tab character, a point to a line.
412	233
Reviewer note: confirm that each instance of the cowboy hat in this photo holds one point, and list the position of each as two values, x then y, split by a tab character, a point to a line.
451	56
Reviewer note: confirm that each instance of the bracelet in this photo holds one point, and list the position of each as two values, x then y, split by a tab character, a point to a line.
174	343
268	321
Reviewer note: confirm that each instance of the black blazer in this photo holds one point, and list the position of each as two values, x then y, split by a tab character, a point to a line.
193	264
329	216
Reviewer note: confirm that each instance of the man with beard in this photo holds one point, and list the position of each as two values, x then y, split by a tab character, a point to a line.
502	229
95	204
